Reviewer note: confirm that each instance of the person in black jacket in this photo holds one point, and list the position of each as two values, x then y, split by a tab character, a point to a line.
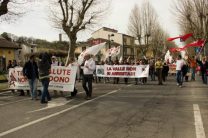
204	68
30	71
44	72
165	70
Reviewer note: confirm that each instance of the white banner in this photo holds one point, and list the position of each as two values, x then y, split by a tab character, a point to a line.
100	71
126	71
61	79
122	71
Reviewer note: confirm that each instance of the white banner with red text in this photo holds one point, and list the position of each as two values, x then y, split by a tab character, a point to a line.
122	71
61	79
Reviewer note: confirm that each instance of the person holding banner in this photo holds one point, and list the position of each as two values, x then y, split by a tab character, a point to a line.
74	93
44	71
30	71
116	79
89	67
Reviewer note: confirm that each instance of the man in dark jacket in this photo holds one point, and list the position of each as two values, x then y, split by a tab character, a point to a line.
165	70
204	68
44	72
30	71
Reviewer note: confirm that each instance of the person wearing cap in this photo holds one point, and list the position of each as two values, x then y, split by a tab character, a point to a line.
89	67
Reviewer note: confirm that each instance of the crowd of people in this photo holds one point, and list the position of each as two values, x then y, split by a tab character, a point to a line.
34	71
185	69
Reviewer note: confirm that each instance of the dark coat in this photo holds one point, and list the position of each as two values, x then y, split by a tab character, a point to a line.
44	65
30	70
203	67
165	70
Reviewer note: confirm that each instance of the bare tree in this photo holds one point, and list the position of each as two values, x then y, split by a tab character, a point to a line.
158	44
193	17
12	9
74	16
141	25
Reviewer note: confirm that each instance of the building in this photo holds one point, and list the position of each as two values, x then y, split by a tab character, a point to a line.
8	51
26	49
125	41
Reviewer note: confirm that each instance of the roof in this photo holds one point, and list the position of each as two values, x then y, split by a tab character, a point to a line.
107	29
7	44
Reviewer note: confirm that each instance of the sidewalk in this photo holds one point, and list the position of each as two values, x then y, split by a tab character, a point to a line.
3	86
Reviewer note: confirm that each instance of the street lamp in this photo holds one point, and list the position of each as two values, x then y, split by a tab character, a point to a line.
109	43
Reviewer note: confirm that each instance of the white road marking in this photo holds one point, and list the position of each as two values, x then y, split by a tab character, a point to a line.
53	115
129	85
54	103
198	122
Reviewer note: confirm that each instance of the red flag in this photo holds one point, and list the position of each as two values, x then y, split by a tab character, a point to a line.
198	43
183	37
176	49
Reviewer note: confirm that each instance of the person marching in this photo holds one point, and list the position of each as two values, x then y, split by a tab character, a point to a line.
203	68
74	93
158	68
193	66
179	67
165	71
30	71
44	71
89	67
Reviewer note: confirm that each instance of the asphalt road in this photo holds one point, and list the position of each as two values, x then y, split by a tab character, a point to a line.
116	111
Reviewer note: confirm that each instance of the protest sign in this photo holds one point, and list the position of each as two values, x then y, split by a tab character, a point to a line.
61	78
126	71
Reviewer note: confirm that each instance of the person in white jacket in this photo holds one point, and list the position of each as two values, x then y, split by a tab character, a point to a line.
89	67
179	73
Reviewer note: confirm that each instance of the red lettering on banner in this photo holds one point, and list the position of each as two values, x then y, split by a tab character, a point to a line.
108	73
61	71
68	72
123	73
130	68
109	68
118	68
60	79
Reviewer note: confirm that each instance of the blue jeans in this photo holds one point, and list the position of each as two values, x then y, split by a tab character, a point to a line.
33	88
179	77
45	93
193	71
204	78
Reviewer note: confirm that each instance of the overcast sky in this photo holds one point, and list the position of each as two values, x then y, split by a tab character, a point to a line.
36	23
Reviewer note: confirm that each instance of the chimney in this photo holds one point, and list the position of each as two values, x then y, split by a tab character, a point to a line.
60	37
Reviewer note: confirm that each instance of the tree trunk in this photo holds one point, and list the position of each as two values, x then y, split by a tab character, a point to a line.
72	46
